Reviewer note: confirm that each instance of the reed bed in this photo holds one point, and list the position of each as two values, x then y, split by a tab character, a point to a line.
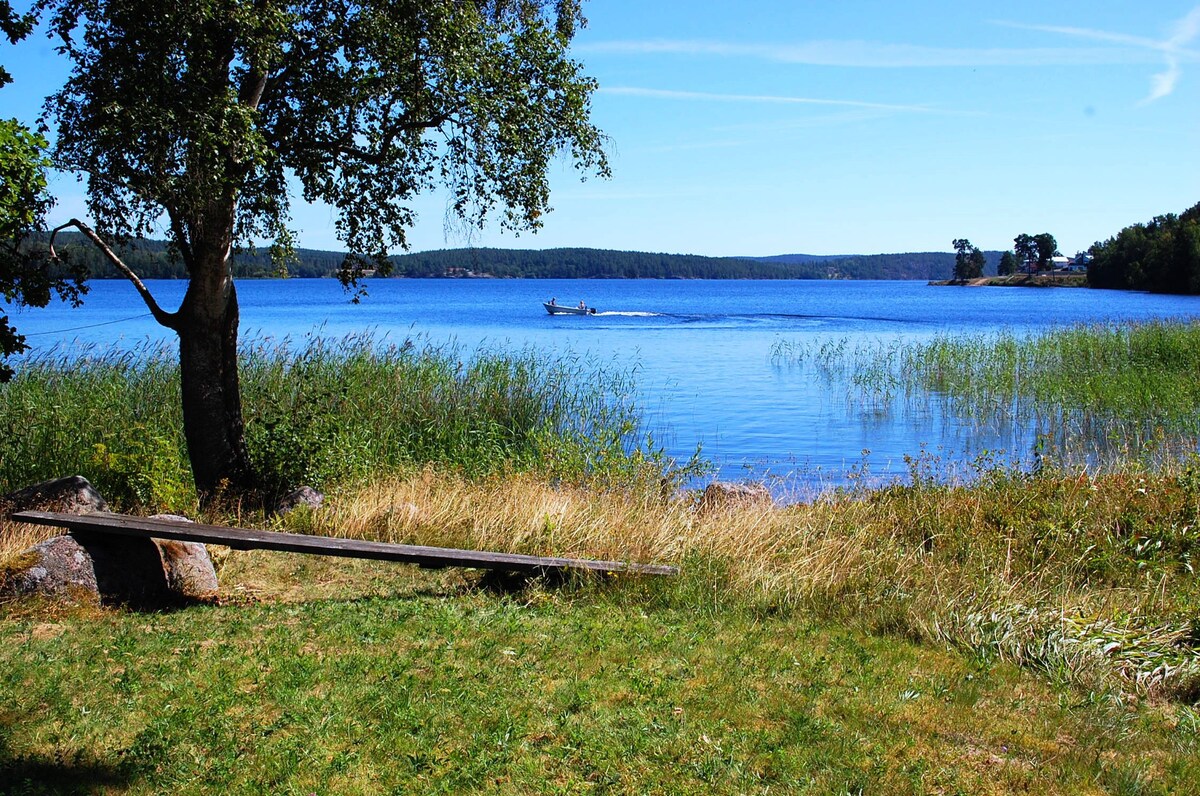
1089	579
1144	371
1141	371
326	413
1099	395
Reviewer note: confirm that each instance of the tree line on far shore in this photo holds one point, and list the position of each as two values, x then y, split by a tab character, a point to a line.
153	259
1162	256
1030	253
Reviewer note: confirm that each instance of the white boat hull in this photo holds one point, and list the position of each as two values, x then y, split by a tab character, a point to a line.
558	309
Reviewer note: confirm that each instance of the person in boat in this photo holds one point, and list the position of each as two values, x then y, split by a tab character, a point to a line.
582	306
553	303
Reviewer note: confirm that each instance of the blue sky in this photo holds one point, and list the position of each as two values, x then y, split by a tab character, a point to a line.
848	127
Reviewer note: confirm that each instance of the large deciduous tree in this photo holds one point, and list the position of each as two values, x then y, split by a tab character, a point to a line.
1035	251
24	200
1047	250
195	118
1026	251
1008	264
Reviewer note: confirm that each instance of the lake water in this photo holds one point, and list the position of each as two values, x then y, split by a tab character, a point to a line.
701	349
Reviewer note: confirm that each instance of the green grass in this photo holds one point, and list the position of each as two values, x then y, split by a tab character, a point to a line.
326	414
401	682
1019	632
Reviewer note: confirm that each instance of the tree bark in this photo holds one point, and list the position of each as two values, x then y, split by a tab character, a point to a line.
211	393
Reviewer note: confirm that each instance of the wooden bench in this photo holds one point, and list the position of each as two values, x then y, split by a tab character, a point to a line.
248	539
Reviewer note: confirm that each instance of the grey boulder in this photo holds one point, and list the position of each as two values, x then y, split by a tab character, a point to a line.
108	568
73	494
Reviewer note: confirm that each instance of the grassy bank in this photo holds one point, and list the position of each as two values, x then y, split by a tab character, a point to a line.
325	414
1089	580
1012	636
1021	632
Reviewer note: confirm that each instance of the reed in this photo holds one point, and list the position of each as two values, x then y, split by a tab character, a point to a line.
326	413
1098	395
1144	371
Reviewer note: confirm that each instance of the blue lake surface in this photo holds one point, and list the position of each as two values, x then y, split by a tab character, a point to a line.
701	349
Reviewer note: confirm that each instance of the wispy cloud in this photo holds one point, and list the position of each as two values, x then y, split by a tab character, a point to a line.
867	54
1173	49
704	96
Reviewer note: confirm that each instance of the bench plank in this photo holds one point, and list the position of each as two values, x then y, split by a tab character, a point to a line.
249	539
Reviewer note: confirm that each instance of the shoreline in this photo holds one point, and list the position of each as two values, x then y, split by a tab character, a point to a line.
1018	280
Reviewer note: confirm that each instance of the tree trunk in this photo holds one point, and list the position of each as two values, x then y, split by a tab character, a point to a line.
208	364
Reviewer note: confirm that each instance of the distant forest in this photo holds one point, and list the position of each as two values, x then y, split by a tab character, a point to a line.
608	264
152	260
1162	256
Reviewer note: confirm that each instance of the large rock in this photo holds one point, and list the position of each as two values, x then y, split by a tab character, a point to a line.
99	567
60	567
723	495
187	566
73	494
304	496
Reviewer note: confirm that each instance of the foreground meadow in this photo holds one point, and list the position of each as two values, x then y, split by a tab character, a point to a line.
1026	631
430	685
824	648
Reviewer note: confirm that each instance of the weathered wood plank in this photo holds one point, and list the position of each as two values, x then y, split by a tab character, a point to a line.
250	539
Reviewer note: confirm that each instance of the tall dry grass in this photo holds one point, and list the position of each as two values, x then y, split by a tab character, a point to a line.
1090	579
1087	578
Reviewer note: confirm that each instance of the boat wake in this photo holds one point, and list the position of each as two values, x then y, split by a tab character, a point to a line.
631	314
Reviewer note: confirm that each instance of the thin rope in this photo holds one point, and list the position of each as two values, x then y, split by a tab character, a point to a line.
90	325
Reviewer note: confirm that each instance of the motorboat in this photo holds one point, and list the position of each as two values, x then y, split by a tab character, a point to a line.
561	309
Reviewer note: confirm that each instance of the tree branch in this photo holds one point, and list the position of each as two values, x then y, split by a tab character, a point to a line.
250	93
383	152
167	319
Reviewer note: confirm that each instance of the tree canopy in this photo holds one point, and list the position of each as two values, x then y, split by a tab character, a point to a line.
1035	252
1162	255
172	108
969	261
24	201
1008	264
195	119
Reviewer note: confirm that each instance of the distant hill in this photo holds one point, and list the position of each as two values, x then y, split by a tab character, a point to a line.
794	259
590	264
608	264
152	259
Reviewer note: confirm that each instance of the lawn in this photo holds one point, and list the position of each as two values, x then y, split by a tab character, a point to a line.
376	678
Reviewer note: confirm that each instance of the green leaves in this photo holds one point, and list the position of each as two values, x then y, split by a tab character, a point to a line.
968	260
23	204
1162	255
202	114
190	109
